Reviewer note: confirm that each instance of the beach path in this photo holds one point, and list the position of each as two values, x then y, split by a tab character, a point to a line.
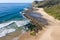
53	31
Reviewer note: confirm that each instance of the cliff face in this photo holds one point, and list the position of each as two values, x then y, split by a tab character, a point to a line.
35	19
46	3
52	7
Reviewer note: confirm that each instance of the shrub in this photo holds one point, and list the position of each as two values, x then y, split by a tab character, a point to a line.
33	33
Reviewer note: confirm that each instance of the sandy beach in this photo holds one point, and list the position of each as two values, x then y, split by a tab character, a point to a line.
11	36
51	33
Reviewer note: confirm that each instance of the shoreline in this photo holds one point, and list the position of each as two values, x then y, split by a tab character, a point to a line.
11	36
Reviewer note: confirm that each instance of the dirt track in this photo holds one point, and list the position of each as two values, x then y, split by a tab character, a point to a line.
51	33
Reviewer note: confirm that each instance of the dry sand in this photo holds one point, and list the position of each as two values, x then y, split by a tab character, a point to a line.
51	33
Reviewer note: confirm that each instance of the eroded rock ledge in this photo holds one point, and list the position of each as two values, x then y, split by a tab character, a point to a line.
35	18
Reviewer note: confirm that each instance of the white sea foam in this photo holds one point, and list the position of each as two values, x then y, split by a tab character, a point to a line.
19	23
3	32
5	24
26	9
10	30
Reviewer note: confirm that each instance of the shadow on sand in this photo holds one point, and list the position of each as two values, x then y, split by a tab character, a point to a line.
36	21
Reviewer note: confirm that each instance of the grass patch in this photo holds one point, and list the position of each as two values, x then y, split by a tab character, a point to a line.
53	11
33	33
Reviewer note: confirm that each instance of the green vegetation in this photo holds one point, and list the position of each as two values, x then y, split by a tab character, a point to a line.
33	33
54	11
33	29
52	7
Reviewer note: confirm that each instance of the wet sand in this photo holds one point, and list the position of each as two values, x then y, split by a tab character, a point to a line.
11	36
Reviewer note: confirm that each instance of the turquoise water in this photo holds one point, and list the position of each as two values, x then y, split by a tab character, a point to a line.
11	17
11	11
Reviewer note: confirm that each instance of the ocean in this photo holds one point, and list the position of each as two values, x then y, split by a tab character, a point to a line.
11	17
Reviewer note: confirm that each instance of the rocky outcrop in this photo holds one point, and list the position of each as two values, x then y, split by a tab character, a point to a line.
33	20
